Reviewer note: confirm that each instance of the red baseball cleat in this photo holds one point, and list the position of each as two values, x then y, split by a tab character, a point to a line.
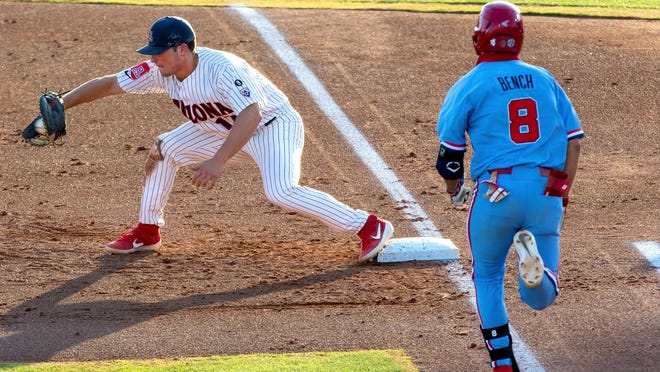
374	234
504	368
142	238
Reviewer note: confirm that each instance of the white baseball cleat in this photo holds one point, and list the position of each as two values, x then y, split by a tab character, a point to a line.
530	263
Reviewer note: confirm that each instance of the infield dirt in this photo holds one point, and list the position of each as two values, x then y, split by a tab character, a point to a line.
237	275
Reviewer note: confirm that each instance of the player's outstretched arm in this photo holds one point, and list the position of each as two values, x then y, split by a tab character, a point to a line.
92	90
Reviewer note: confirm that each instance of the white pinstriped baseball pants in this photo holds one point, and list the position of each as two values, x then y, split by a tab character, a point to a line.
277	151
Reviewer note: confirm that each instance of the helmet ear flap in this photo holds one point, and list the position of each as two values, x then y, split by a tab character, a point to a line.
475	41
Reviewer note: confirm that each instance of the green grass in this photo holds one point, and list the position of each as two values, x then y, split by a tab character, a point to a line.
367	361
639	9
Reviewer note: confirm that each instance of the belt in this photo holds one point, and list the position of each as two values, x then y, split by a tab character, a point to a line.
543	170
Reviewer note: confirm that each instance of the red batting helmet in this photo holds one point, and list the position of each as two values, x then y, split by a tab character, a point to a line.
499	29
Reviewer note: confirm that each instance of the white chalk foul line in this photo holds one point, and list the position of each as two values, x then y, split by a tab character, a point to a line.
383	173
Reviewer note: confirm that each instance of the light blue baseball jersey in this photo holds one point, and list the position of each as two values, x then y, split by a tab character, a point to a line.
515	115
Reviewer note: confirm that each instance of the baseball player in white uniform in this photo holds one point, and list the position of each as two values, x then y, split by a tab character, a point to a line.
233	112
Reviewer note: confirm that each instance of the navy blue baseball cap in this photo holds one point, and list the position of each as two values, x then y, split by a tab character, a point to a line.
167	32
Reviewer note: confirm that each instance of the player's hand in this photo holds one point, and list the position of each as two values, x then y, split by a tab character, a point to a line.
207	173
459	193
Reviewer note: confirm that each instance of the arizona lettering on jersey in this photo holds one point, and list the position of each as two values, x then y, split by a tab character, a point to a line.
208	111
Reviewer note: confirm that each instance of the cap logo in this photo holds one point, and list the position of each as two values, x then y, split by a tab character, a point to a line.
151	36
174	39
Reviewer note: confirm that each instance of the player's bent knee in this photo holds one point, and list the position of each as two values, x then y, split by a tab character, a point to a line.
279	199
284	197
171	150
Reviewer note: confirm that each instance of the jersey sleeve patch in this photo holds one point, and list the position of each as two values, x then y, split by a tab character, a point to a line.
136	71
245	92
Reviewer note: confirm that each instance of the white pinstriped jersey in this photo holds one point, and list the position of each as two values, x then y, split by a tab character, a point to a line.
219	88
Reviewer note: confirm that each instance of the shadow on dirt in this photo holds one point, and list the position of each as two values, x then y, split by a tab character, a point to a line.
39	329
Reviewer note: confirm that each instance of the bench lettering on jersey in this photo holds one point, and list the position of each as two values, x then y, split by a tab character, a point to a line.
515	82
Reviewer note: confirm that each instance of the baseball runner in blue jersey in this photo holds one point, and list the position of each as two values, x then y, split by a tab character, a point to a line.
234	114
525	136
